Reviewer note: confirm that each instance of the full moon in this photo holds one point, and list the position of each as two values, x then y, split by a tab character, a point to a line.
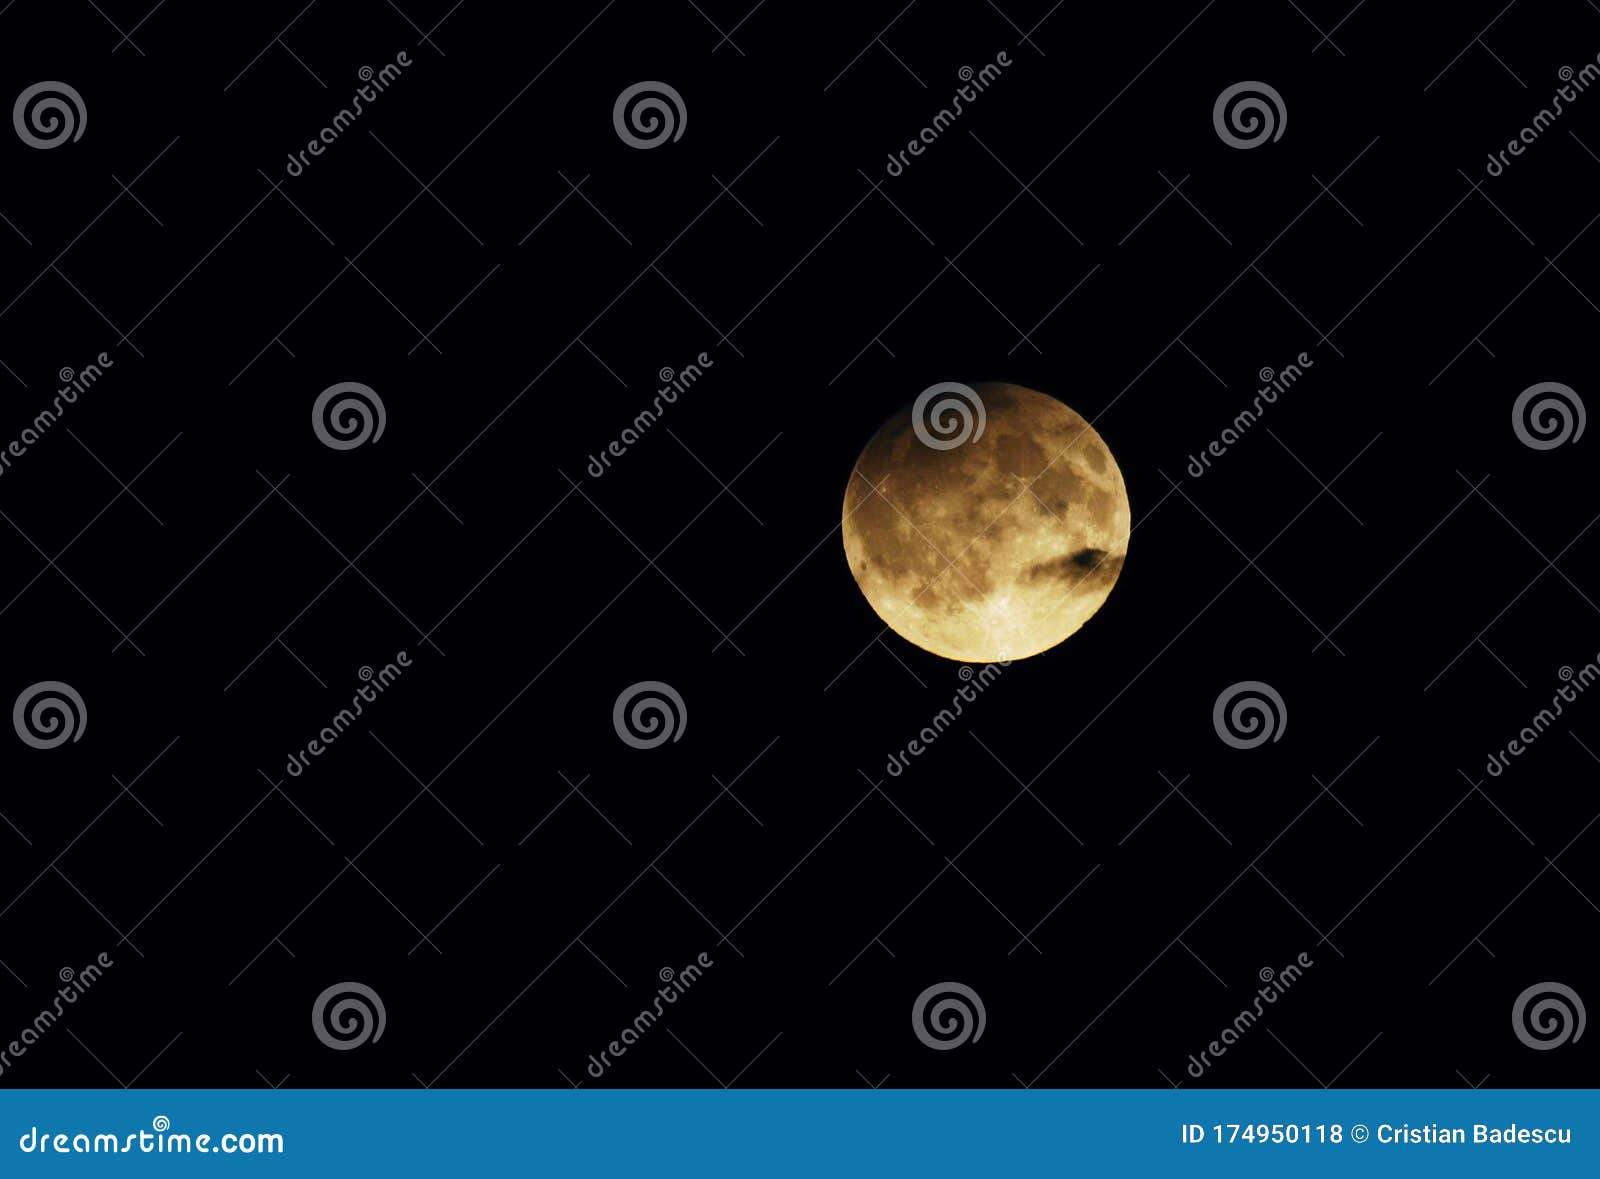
986	523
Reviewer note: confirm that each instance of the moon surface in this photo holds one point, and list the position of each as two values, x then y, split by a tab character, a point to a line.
986	523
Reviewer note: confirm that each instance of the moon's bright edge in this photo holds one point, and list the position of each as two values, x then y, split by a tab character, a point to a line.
995	549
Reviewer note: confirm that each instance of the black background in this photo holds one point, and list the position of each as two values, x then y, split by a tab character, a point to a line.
827	295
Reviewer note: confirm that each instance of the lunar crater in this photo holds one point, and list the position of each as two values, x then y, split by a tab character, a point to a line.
995	549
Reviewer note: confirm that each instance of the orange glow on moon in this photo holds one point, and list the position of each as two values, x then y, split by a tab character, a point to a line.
986	532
